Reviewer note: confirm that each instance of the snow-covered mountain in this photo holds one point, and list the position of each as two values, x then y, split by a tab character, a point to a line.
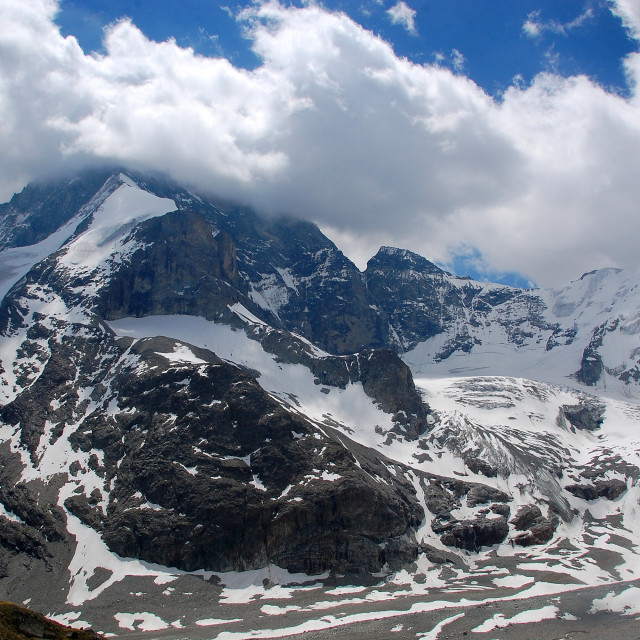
188	389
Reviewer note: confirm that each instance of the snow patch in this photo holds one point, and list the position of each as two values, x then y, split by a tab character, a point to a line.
144	621
626	602
212	622
126	207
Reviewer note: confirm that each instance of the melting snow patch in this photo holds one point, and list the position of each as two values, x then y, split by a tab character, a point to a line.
212	622
242	312
244	586
147	621
152	506
9	515
626	602
524	617
273	610
514	582
435	632
70	619
257	483
330	477
568	616
167	577
181	353
285	492
190	470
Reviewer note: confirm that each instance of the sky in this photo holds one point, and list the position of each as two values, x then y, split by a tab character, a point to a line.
499	139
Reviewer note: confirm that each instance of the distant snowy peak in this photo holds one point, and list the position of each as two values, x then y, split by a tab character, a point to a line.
597	293
42	209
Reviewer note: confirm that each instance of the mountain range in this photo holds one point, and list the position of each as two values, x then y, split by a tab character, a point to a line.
191	390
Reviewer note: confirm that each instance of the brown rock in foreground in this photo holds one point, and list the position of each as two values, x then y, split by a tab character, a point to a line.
18	623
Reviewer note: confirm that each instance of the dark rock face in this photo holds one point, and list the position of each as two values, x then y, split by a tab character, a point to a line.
420	300
437	556
540	533
478	465
193	271
488	527
29	409
609	489
535	527
591	366
385	378
301	282
206	469
199	469
405	286
527	515
585	416
472	534
481	494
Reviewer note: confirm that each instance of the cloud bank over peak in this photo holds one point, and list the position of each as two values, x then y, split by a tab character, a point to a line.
333	126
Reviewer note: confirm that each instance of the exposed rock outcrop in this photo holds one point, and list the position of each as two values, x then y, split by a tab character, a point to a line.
586	416
609	489
535	527
193	271
472	534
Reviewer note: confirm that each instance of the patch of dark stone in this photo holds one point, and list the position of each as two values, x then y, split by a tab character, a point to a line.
536	529
609	489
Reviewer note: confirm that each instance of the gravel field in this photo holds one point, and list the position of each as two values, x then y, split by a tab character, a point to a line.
191	608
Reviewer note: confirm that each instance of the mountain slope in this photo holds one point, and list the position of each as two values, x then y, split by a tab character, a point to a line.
187	387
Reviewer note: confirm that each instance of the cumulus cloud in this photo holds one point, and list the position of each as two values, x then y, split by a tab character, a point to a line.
333	126
401	13
629	12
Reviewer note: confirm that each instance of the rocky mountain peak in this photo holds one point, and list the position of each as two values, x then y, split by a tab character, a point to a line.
42	208
402	260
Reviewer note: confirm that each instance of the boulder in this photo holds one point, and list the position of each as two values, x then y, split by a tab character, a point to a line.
609	489
472	534
536	529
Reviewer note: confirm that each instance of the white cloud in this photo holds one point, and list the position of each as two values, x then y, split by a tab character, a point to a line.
335	127
629	12
534	26
457	60
401	13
